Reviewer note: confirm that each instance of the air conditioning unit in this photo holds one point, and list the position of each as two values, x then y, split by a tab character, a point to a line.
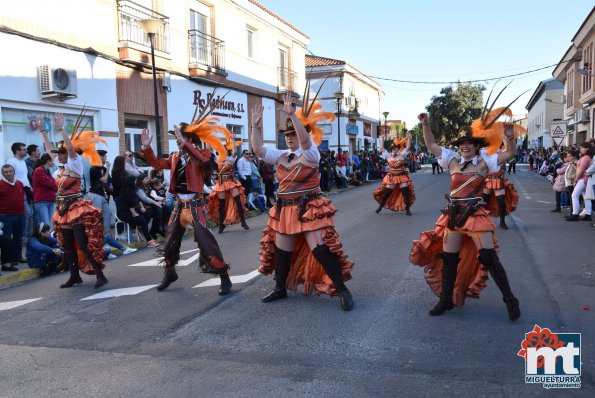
581	115
57	82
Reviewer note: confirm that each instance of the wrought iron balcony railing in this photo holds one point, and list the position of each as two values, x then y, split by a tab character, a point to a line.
129	15
286	80
206	50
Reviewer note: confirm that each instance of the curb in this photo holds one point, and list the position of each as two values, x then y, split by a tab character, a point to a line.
13	278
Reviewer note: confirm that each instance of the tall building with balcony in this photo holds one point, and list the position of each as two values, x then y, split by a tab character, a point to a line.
576	71
350	94
98	56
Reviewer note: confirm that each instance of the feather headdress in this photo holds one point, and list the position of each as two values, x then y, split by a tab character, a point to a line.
83	141
202	129
490	129
400	142
310	114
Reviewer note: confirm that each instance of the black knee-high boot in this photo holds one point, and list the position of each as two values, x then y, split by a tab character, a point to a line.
241	211
221	215
486	197
81	238
407	199
332	267
450	262
502	209
75	277
489	258
225	284
387	193
282	265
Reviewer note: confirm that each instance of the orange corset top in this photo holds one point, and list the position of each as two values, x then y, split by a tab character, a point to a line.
68	185
225	168
298	179
465	185
397	165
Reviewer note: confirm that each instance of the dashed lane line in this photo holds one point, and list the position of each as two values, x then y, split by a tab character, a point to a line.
234	279
14	304
156	262
127	291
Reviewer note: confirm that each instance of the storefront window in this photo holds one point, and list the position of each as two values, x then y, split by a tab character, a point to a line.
20	125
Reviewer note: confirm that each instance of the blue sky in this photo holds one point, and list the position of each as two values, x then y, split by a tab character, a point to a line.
439	40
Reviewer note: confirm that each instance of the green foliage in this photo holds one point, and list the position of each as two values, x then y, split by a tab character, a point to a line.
456	106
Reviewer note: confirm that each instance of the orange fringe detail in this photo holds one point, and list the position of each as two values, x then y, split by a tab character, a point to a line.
471	275
395	201
83	210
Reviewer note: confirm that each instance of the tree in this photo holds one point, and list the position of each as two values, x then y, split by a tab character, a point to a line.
454	108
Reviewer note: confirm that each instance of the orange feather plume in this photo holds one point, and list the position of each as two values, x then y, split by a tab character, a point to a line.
400	142
312	118
492	131
85	141
207	133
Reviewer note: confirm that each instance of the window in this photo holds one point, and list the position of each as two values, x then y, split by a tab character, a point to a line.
283	67
250	36
199	27
236	130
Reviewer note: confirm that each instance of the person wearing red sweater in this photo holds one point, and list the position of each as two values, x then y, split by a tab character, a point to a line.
44	189
12	209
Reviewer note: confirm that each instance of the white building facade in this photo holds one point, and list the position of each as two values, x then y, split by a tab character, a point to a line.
545	106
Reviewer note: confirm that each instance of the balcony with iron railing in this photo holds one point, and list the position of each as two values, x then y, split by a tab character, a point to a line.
286	80
130	33
206	51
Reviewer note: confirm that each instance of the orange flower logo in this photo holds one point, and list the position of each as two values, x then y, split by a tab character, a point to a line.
538	338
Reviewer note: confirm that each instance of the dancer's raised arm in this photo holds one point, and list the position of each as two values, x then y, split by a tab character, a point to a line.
428	137
256	136
302	133
59	122
503	157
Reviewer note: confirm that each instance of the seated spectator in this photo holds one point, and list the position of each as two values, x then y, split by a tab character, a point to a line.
129	210
111	241
152	208
257	200
43	251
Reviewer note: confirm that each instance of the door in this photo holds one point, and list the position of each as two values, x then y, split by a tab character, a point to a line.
199	33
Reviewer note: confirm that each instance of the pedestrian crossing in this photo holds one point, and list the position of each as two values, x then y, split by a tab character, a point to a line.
136	290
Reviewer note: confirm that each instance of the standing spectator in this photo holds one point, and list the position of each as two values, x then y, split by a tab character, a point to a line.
131	167
43	251
12	210
44	189
19	151
267	172
365	163
570	173
323	168
7	252
34	154
580	183
342	162
355	162
512	164
98	179
245	171
531	160
559	186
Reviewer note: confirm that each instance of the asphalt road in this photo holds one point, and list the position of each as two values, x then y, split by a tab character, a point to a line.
189	342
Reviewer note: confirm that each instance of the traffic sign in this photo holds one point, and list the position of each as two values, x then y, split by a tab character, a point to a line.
558	140
558	128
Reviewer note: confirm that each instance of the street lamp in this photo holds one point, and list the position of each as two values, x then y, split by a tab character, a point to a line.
339	97
385	119
152	26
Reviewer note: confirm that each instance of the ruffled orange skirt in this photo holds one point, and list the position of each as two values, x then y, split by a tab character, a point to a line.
305	269
471	275
83	212
494	183
395	201
232	213
511	198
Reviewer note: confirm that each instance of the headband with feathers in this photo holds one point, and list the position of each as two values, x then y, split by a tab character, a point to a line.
400	142
310	114
490	129
84	141
201	128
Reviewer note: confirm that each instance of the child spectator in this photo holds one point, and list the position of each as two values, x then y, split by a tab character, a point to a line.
43	251
257	200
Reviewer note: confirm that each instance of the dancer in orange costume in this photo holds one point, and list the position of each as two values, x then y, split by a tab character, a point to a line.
227	189
189	167
386	194
78	224
500	194
300	242
449	253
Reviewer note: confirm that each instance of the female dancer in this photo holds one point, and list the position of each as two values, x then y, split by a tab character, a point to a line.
465	228
499	194
226	190
78	224
301	229
386	194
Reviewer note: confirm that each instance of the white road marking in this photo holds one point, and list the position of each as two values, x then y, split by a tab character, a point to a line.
234	279
527	197
155	262
127	291
13	304
543	201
